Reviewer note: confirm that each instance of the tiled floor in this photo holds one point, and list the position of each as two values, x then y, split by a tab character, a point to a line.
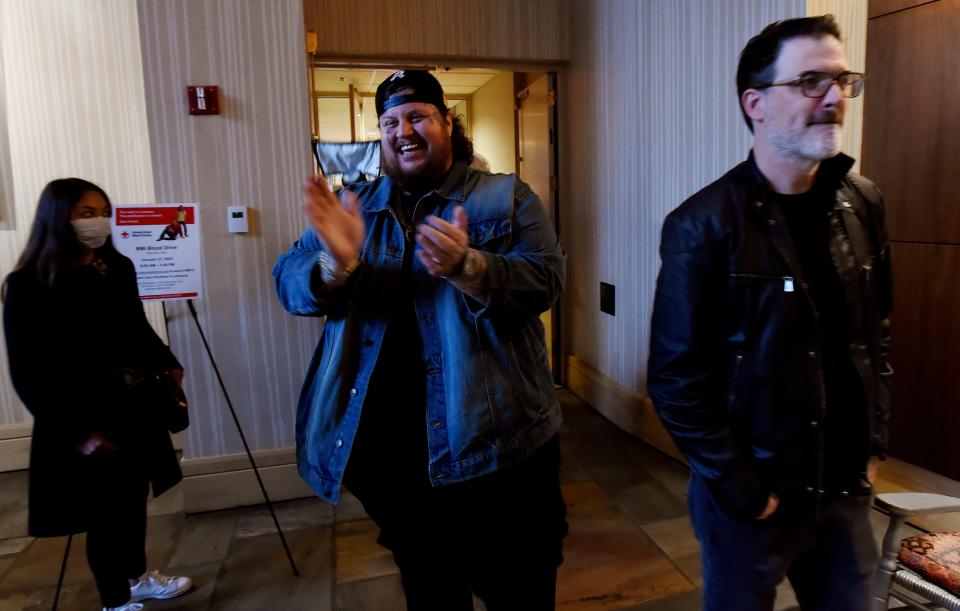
630	546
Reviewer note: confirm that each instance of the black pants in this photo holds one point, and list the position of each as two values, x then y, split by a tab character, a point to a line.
499	536
116	537
829	557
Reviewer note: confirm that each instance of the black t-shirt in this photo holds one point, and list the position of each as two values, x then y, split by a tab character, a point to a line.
390	448
808	216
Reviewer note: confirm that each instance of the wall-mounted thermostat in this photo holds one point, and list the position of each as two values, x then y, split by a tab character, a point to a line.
237	219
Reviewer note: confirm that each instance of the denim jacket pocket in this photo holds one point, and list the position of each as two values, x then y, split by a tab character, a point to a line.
489	234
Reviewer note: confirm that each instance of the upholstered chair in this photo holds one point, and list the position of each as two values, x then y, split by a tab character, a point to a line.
925	568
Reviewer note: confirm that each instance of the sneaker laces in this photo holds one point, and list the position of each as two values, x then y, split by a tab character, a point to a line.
154	577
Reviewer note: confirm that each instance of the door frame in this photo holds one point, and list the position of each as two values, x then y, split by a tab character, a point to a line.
556	355
553	72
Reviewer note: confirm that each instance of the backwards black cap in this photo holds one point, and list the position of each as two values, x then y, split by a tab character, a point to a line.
420	86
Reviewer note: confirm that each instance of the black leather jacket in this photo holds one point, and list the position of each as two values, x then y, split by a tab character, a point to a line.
735	370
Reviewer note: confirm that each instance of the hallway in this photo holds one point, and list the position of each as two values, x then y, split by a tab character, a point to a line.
630	544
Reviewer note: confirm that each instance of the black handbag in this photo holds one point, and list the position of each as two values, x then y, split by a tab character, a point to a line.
157	392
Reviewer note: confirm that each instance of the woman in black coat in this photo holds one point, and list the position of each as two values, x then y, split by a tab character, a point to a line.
78	344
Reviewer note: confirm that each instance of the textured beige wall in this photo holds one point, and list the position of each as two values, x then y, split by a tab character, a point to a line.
256	153
650	115
75	106
493	122
7	218
514	30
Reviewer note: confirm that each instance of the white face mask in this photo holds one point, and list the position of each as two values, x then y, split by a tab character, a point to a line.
92	233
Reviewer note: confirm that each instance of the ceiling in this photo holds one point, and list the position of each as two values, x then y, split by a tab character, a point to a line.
455	81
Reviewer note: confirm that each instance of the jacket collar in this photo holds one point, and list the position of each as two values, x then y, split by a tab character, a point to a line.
454	187
829	175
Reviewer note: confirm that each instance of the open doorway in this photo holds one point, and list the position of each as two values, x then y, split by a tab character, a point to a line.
508	115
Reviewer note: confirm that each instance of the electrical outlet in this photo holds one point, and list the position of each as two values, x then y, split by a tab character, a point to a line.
608	298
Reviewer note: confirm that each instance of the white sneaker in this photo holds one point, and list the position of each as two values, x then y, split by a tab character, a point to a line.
155	585
126	607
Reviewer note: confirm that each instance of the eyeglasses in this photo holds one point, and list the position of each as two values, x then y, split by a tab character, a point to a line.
817	84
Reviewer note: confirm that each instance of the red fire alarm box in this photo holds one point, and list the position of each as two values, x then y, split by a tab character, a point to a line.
203	99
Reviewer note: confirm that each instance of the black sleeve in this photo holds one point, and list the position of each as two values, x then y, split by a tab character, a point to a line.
686	339
883	293
40	369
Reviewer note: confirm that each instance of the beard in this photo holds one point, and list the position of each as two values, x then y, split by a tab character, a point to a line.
817	140
426	177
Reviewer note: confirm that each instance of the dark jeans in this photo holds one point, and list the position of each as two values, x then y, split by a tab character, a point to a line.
829	555
499	536
116	537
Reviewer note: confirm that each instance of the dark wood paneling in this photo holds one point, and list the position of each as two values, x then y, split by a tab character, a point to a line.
491	30
925	423
911	146
876	8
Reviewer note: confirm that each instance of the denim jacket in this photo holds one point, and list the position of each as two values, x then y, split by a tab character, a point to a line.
490	393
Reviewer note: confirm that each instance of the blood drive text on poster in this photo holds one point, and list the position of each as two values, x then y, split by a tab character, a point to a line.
163	241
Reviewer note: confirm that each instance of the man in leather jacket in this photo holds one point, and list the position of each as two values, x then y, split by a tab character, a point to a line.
768	361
